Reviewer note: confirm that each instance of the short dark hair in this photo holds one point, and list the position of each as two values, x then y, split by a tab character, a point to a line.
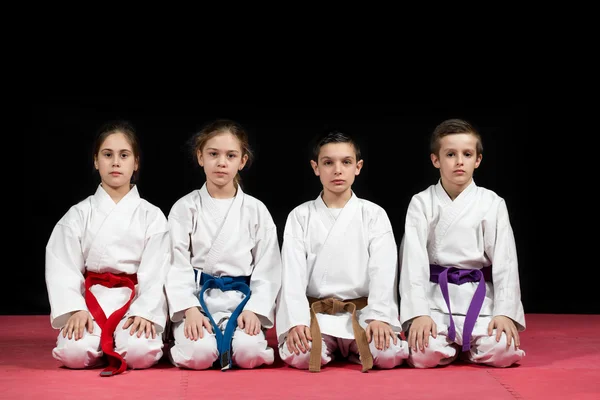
334	136
450	127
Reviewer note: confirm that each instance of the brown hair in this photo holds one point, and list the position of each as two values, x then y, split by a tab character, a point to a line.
218	127
450	127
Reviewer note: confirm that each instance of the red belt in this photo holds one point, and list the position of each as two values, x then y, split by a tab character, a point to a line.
108	325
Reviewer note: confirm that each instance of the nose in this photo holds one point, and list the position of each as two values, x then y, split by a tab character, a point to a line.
338	168
222	161
460	159
115	162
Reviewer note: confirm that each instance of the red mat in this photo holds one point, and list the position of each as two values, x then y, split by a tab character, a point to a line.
562	362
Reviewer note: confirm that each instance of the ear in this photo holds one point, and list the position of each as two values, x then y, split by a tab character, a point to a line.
359	166
479	157
136	165
96	162
244	161
315	167
200	159
435	160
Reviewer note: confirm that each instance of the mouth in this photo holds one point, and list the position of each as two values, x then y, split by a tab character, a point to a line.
459	171
116	173
338	181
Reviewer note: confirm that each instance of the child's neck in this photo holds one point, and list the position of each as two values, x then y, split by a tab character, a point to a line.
221	192
336	200
454	190
116	194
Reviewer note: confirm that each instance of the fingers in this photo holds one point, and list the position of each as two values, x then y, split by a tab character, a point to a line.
420	339
304	338
207	324
394	338
197	331
434	329
509	336
490	327
90	323
240	322
299	341
499	329
290	345
307	334
386	339
426	337
80	329
75	330
128	323
517	340
149	327
257	326
134	326
411	338
377	338
153	331
369	334
249	325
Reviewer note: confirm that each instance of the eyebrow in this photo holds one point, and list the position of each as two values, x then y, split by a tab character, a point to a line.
122	150
229	151
343	158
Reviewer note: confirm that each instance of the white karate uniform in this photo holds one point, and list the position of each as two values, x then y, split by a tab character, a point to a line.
346	256
471	232
97	235
232	237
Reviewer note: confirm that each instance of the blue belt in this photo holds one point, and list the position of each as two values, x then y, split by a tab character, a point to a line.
224	283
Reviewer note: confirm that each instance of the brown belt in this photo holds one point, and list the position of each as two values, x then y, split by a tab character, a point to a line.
333	306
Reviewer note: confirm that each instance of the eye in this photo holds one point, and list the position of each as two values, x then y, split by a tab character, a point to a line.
212	153
327	162
347	162
107	155
468	154
451	154
124	155
231	155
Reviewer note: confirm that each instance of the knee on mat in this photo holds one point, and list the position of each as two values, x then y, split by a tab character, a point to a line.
390	357
196	354
248	350
437	350
141	353
300	361
497	353
77	354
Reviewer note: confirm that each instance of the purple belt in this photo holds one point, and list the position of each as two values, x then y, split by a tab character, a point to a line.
443	276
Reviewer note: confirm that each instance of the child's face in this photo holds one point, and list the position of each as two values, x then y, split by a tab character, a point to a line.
116	161
337	166
221	159
457	159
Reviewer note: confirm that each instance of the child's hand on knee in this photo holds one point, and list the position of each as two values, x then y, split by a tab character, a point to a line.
420	329
194	321
504	324
140	325
382	333
297	339
77	323
249	322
